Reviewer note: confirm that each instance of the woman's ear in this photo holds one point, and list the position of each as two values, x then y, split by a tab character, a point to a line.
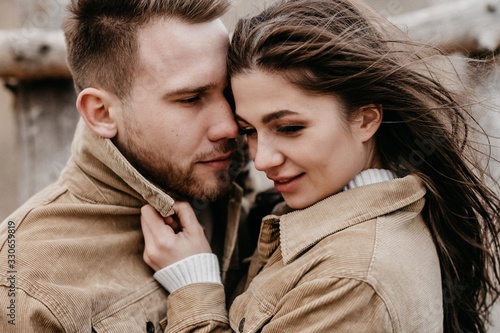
94	107
367	121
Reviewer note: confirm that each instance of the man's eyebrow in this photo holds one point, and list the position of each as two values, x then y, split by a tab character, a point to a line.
189	90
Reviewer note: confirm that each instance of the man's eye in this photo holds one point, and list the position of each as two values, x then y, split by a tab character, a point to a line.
191	100
290	129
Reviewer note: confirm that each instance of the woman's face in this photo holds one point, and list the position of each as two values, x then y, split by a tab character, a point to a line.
302	142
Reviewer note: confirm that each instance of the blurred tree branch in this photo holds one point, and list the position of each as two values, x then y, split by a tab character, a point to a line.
464	26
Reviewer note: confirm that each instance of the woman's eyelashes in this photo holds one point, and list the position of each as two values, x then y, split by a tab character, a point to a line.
289	129
248	131
283	130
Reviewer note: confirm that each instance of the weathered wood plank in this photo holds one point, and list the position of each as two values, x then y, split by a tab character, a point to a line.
46	119
44	107
32	54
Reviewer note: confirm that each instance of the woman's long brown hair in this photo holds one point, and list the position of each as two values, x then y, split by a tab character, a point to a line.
344	48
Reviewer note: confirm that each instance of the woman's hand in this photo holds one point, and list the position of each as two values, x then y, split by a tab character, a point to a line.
169	240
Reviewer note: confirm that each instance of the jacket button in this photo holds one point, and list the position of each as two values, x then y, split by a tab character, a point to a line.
150	327
241	325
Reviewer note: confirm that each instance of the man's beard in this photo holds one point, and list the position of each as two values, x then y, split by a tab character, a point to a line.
181	182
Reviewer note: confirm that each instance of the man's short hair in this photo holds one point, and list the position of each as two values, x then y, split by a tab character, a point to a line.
101	36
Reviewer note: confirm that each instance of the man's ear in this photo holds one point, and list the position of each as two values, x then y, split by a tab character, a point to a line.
367	121
94	107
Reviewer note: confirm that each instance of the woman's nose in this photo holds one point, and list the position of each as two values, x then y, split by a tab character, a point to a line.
265	155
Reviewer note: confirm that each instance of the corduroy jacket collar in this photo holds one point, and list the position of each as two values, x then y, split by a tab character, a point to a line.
300	229
108	176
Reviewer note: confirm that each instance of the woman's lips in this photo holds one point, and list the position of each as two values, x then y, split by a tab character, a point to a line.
287	184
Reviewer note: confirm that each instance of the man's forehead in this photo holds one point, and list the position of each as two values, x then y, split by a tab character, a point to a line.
164	46
170	63
180	32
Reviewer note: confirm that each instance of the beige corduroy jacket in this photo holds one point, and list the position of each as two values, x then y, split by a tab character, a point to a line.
359	261
71	257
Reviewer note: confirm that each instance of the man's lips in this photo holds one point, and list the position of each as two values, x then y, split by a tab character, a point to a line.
220	158
218	163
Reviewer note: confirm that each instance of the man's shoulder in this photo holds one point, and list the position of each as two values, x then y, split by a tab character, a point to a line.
41	199
64	254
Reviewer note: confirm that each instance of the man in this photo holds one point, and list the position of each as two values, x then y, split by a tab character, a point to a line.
150	77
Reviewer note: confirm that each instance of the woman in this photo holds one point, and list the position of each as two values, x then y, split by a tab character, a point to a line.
387	226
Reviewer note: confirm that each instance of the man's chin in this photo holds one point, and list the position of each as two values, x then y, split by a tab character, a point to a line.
197	185
213	188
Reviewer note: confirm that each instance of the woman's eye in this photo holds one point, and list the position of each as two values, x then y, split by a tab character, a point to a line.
290	129
249	131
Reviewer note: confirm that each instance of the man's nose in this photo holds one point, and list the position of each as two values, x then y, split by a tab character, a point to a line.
223	124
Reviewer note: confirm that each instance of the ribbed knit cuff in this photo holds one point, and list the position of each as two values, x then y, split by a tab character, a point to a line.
198	268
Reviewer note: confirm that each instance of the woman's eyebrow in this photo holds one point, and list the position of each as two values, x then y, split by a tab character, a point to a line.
276	115
269	117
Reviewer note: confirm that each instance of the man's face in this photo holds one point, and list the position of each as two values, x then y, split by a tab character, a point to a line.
177	127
